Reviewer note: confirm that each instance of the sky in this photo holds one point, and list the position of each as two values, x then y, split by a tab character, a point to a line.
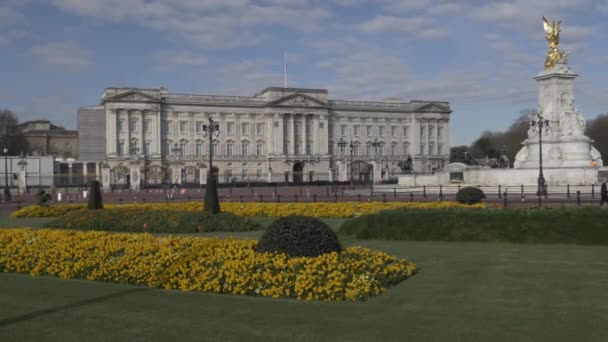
481	56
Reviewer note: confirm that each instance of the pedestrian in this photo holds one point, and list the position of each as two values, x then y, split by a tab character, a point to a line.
604	194
593	163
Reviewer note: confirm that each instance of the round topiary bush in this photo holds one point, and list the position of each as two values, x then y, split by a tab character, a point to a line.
299	236
470	195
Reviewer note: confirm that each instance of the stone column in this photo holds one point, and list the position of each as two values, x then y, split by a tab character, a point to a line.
302	134
377	171
280	134
85	171
203	175
158	140
176	174
111	131
97	172
330	175
22	176
269	135
269	176
292	136
105	177
315	135
135	176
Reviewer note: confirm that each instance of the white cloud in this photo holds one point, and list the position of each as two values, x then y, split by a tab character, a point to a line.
418	26
207	23
66	54
181	58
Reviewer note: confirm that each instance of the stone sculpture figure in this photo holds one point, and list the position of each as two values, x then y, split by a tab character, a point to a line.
572	122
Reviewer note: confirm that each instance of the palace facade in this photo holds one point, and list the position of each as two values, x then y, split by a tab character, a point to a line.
279	134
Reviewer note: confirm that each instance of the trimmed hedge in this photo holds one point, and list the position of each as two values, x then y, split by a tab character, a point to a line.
470	195
154	221
299	236
577	225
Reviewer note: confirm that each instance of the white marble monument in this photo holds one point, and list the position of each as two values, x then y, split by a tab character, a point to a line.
564	143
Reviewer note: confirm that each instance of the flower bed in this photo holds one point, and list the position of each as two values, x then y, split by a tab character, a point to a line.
200	264
317	209
153	221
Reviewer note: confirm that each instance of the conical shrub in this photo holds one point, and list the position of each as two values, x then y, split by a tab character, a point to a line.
95	201
212	202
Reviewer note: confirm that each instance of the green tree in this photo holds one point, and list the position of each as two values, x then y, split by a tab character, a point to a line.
10	134
597	129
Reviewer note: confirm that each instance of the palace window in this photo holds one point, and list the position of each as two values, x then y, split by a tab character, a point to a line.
229	128
369	149
355	150
214	148
199	148
422	149
308	149
431	149
381	131
439	131
439	149
147	125
393	150
343	130
393	131
259	149
259	129
183	126
245	149
369	131
229	149
406	149
244	128
199	127
356	130
422	131
405	131
120	148
147	148
244	174
183	148
121	125
431	129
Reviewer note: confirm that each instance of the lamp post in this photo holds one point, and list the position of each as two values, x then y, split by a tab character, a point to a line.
375	145
210	130
535	125
7	190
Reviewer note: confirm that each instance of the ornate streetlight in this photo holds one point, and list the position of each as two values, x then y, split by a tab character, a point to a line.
7	190
211	130
535	125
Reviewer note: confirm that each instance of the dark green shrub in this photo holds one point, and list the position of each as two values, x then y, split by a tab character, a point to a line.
546	225
212	202
154	221
470	195
43	197
299	236
95	201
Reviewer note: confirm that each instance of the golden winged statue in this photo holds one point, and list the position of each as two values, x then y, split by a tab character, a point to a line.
554	54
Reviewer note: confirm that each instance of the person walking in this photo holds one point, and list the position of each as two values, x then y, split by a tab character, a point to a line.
604	194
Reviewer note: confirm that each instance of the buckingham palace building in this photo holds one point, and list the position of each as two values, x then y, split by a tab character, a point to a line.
150	136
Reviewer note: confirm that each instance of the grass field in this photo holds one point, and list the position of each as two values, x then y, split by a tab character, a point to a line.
464	292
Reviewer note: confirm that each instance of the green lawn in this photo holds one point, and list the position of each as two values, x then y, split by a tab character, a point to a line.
464	292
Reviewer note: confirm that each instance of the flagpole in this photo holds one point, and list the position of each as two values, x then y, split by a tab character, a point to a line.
285	69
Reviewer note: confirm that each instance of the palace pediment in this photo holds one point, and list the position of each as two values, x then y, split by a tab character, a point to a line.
132	96
297	100
432	107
